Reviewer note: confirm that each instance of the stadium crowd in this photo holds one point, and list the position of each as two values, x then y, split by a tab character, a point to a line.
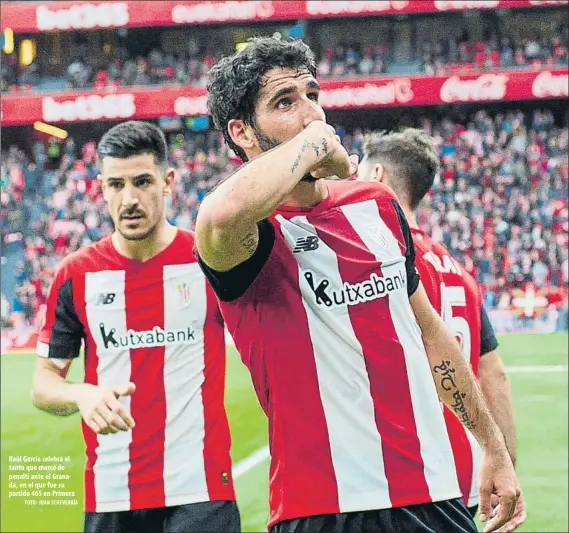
500	204
447	55
190	65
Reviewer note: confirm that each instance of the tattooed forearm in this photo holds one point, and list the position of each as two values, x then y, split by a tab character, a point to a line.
299	156
460	409
446	372
323	147
58	410
249	242
447	382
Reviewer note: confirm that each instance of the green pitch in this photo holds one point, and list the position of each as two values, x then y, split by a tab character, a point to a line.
540	395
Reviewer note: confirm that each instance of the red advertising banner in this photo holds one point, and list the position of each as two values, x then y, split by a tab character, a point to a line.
139	102
85	15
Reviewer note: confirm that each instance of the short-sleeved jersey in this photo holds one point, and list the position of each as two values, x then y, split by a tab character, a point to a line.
456	296
321	317
155	323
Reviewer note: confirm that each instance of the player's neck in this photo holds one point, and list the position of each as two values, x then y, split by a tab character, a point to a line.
306	194
145	249
411	217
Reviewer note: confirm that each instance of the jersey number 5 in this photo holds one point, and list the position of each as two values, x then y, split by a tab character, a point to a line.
455	296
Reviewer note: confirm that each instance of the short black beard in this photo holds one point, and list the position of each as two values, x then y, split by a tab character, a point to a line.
266	143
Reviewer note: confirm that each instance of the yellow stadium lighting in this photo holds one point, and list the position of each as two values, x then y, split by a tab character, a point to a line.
8	41
27	52
49	129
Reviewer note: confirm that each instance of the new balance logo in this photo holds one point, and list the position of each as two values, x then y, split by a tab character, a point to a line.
366	291
106	298
145	339
305	244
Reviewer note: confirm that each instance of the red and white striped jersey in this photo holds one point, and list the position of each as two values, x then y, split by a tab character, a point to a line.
324	324
155	323
456	296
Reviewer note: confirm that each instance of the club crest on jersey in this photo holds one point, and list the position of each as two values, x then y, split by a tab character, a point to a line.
184	290
377	235
352	294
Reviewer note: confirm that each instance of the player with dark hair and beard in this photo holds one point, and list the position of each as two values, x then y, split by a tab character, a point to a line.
152	402
318	287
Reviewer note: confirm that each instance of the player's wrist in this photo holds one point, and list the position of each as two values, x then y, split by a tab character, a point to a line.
77	391
495	445
318	140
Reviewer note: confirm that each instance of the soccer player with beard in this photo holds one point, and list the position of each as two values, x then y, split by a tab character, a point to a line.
408	162
152	402
318	287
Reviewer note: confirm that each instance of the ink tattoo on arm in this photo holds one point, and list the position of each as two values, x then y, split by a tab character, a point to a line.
446	371
305	145
249	242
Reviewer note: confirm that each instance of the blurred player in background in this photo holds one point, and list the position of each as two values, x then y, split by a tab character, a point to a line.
154	423
319	290
408	163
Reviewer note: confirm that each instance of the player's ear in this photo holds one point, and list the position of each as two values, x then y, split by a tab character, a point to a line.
379	173
241	133
169	181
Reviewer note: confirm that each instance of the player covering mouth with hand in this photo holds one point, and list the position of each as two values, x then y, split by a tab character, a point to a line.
318	287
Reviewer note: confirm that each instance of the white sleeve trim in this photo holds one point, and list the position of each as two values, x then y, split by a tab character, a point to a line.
42	350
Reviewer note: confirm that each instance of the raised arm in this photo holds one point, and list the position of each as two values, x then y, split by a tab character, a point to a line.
226	225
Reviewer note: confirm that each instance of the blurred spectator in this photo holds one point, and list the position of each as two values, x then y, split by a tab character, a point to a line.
499	205
448	56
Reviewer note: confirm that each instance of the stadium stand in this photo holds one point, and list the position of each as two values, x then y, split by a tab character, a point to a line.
84	66
500	204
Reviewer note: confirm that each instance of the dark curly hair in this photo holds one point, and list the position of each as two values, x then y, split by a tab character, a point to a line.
413	156
235	81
